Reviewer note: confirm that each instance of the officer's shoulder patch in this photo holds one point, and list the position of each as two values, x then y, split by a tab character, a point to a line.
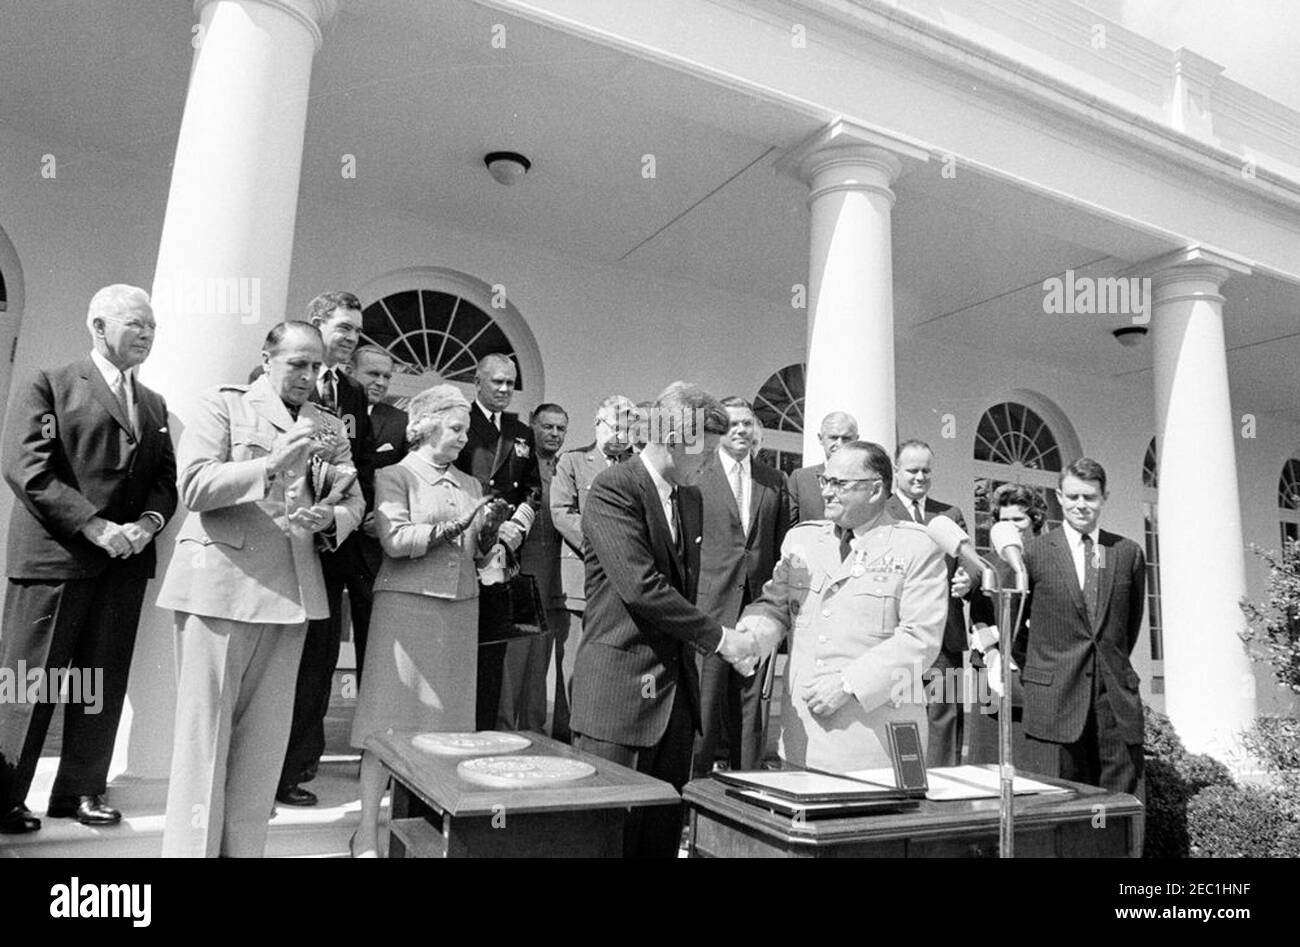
912	526
233	387
810	525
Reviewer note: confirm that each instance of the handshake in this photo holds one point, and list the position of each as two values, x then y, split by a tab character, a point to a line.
741	648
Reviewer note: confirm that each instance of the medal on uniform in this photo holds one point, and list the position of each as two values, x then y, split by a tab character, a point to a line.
859	555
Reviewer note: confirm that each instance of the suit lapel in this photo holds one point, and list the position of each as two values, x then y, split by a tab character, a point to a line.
715	479
1106	566
104	395
660	533
757	490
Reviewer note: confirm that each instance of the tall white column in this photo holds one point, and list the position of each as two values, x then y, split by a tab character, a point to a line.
222	277
850	172
1209	686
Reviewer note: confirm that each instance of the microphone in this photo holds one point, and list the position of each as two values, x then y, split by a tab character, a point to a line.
952	539
1006	539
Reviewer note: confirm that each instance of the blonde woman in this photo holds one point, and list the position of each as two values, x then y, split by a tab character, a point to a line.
421	661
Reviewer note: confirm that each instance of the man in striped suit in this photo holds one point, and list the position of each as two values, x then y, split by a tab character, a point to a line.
636	692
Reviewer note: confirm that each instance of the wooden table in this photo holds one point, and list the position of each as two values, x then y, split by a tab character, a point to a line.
1085	822
436	814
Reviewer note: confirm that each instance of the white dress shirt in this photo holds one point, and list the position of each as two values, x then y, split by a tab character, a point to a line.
729	465
909	504
1075	539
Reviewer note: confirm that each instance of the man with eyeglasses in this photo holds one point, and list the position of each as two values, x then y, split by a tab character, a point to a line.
838	428
89	458
574	472
865	598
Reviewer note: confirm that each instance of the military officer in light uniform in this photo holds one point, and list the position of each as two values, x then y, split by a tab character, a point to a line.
865	597
244	580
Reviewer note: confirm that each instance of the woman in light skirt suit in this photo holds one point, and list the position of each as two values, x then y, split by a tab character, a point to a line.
421	657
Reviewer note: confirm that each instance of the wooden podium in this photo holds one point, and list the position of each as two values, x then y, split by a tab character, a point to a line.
437	814
1085	822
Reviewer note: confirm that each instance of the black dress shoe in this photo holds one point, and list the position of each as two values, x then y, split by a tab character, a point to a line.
88	810
19	821
295	796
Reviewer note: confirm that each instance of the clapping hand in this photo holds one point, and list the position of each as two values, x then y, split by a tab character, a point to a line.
825	693
312	518
961	582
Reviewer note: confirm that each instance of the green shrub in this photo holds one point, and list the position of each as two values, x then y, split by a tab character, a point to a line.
1241	822
1173	777
1276	741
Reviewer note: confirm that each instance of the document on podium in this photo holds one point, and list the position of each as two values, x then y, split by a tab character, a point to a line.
950	783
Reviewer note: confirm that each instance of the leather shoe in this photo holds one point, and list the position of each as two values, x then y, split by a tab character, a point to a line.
295	796
88	810
19	821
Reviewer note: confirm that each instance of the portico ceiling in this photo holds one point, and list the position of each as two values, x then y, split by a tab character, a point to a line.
418	92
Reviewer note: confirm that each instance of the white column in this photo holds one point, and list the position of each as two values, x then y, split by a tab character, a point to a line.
850	171
222	277
1209	686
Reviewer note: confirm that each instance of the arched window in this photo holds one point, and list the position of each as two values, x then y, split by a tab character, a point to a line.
438	323
779	409
1151	534
1288	500
1014	444
436	336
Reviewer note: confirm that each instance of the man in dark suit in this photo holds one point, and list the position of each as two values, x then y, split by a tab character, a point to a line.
89	457
636	697
372	368
338	317
746	515
838	428
1087	589
913	463
523	687
499	453
615	420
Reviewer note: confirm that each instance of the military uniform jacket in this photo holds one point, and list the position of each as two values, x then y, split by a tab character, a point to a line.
877	617
574	474
236	556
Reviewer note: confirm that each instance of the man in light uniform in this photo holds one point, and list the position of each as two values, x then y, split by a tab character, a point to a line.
865	597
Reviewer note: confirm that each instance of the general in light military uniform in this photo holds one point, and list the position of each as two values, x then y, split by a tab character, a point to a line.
876	616
244	582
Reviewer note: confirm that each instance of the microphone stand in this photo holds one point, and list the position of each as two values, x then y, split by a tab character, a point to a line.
1010	610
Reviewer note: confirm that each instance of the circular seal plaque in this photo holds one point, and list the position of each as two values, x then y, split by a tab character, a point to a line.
470	744
522	772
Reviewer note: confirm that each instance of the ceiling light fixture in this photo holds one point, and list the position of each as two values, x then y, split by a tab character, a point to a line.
507	167
1130	336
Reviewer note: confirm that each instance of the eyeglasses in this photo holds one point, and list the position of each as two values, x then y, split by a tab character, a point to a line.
839	486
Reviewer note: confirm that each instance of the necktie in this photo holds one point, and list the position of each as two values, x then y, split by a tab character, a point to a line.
119	391
325	388
738	488
846	542
679	539
1090	585
917	515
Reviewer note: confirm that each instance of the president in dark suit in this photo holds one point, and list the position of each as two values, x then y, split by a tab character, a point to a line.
372	368
89	457
338	317
636	697
1087	589
911	500
838	428
499	453
746	515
